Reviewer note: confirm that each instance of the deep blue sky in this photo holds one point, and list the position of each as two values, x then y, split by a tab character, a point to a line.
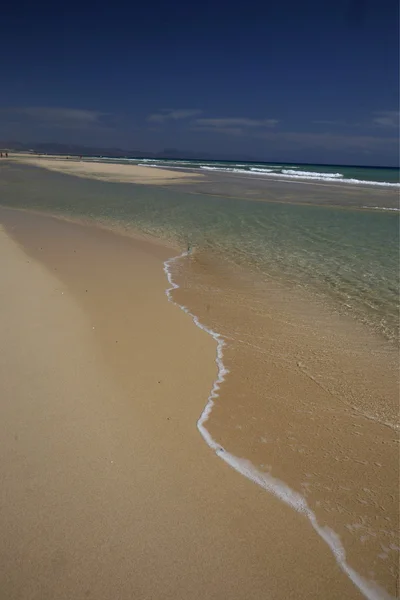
312	81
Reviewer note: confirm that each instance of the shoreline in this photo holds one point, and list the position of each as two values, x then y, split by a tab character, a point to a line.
237	491
328	380
370	589
97	167
223	185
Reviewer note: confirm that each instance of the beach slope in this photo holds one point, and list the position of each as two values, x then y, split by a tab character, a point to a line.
107	489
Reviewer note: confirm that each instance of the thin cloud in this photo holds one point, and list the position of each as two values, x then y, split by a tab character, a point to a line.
236	131
328	141
234	126
61	114
223	123
330	122
386	118
228	126
173	114
56	117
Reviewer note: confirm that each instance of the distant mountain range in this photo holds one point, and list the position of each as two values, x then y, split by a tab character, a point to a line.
78	150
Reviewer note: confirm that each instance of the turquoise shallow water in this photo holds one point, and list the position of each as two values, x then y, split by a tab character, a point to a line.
349	257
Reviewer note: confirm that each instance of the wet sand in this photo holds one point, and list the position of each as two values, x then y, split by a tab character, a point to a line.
108	490
312	400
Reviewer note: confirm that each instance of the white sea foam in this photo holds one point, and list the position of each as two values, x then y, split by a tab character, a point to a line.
370	589
303	175
312	174
148	164
382	208
246	169
228	169
143	162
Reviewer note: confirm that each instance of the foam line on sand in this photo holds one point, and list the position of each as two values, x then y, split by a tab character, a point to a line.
292	498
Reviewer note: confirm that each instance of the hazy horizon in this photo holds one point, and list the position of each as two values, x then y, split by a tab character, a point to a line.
165	154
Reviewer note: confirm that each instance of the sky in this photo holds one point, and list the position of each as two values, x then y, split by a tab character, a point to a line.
310	81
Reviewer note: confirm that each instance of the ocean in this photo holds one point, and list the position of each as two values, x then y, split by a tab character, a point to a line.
357	175
294	269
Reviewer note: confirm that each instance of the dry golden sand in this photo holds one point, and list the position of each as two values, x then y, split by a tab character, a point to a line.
126	173
107	489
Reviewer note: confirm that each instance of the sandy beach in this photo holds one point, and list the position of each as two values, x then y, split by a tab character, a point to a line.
123	173
233	185
108	490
